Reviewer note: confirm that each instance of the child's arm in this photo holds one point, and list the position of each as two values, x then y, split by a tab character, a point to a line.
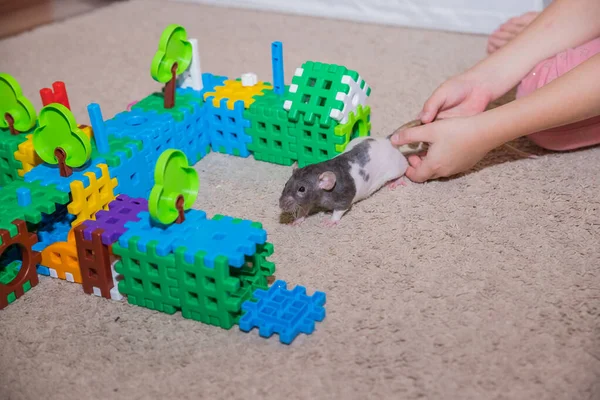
457	144
564	24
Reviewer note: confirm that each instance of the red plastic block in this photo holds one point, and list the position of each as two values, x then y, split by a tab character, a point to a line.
58	95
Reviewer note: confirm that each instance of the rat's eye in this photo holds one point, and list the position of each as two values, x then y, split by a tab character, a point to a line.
301	189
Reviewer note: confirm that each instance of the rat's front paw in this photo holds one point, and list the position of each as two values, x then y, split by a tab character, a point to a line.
394	184
298	221
330	223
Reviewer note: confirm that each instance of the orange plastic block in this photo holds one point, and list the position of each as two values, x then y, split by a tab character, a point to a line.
93	198
62	260
27	155
233	91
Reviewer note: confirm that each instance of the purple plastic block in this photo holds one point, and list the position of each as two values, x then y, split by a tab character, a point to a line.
120	211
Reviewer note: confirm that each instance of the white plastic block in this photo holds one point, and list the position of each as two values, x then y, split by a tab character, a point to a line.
97	291
114	292
299	71
355	96
249	79
69	277
192	77
53	273
287	105
293	88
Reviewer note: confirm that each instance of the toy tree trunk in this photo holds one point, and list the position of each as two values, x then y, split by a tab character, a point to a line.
11	124
179	205
170	88
64	169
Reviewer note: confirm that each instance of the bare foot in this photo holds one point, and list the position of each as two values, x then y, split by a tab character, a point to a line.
330	223
508	30
394	184
298	221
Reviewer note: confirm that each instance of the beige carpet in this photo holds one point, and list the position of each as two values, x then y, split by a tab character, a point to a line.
481	287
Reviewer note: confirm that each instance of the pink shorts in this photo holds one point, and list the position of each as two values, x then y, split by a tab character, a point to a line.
567	137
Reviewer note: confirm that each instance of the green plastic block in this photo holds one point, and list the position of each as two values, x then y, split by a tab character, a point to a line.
117	145
315	93
316	144
43	200
9	272
11	297
9	167
358	125
149	280
183	103
273	135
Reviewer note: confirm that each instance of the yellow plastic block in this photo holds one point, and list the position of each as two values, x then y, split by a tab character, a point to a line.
61	259
93	198
234	91
27	155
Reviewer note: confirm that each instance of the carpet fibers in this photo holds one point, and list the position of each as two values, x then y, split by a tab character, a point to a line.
484	286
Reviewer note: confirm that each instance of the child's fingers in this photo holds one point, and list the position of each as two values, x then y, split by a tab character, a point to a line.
411	135
432	106
421	173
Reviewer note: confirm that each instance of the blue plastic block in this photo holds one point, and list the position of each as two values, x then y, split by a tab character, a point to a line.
209	82
168	237
277	61
155	130
41	270
135	176
48	174
100	135
223	236
282	311
227	128
53	228
23	197
192	135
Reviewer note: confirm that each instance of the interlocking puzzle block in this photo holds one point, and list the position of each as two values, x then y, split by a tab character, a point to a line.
112	221
324	94
149	280
358	125
279	310
94	263
27	156
134	179
9	165
44	200
209	82
233	91
184	104
47	174
121	149
62	260
227	128
192	135
27	277
53	228
273	136
315	143
96	196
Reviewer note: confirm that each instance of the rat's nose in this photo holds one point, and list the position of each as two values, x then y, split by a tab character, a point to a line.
286	203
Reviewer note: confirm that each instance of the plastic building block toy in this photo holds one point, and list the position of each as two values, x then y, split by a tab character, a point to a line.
17	114
358	125
192	77
186	104
27	156
62	260
314	91
279	310
58	94
277	62
44	200
233	91
27	276
53	228
94	263
10	164
87	201
316	144
97	122
112	221
227	128
274	138
357	94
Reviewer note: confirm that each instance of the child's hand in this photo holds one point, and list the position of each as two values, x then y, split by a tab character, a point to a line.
455	145
461	96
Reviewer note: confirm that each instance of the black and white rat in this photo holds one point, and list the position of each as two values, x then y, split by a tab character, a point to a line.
366	165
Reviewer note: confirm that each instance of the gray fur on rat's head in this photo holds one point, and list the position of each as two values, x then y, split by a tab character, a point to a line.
305	188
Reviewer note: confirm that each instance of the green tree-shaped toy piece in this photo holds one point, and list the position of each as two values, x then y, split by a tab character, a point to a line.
58	139
16	111
173	57
175	188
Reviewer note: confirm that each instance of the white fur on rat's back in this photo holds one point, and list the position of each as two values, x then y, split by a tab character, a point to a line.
385	164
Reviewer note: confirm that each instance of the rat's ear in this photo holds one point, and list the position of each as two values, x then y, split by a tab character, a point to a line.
295	166
327	180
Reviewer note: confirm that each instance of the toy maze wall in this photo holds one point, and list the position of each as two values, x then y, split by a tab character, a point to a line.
93	227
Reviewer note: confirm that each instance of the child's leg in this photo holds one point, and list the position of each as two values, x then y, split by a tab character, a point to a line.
568	137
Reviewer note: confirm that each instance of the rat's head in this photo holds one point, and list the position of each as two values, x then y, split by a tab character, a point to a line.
305	189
